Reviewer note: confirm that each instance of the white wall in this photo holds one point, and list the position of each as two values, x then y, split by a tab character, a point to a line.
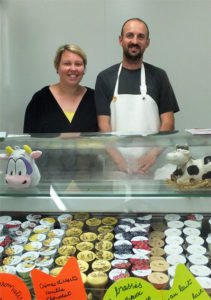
32	30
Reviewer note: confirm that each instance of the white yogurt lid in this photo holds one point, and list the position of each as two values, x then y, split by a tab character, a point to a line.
172	217
139	238
37	237
12	260
44	261
208	239
8	269
25	267
175	259
174	239
198	217
198	259
173	249
30	256
48	250
172	231
204	282
195	240
123	243
33	246
175	224
142	273
191	231
56	233
141	251
172	270
65	218
118	261
128	220
145	218
14	250
52	242
5	219
199	270
122	256
142	226
196	249
116	272
192	223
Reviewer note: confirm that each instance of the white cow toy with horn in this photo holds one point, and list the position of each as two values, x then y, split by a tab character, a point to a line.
22	170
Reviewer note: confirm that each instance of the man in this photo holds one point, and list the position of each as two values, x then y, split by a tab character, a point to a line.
134	96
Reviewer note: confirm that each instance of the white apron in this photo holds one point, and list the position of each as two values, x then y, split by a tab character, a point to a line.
134	114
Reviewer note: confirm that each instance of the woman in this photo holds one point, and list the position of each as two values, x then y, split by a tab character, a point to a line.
65	106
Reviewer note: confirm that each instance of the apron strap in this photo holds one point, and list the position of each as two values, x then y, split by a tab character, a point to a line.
143	87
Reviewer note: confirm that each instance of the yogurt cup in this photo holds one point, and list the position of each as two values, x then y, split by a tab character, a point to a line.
49	250
52	242
56	233
28	225
194	240
64	219
191	231
5	219
33	246
199	270
8	269
175	259
208	240
48	222
117	274
174	239
195	217
1	228
1	251
12	260
14	250
20	240
13	226
192	224
173	249
172	217
142	273
205	283
41	229
172	231
172	271
35	218
44	261
25	233
23	269
175	224
198	259
37	237
145	218
196	249
29	256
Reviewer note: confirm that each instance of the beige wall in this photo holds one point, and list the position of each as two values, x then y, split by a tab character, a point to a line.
32	30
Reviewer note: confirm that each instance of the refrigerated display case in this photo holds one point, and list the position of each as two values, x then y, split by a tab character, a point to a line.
78	174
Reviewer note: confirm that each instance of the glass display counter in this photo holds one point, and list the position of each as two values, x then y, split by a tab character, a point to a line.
78	174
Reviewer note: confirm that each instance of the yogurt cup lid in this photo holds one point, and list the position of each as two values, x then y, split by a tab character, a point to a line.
142	273
196	249
191	231
173	249
198	259
1	249
30	256
5	219
47	221
174	239
199	270
41	229
33	246
208	239
204	282
145	218
175	259
195	240
172	231
8	269
25	267
175	224
172	270
56	233
14	250
117	274
37	237
192	224
139	238
12	260
172	217
65	218
33	218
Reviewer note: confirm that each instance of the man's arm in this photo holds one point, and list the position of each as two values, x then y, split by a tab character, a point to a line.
167	121
104	123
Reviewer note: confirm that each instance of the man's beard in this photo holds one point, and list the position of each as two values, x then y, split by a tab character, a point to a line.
130	57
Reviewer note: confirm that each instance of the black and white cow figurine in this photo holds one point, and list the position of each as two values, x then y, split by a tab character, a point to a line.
189	170
22	170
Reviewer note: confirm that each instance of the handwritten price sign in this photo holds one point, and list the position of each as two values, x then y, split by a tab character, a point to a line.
132	288
13	288
67	285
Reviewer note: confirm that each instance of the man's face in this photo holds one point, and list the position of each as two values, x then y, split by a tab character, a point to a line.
134	40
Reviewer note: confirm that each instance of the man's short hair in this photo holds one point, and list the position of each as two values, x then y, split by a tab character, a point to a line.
122	30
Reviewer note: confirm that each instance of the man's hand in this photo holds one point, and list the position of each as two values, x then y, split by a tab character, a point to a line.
147	160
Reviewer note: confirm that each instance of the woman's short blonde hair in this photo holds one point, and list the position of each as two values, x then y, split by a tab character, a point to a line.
72	48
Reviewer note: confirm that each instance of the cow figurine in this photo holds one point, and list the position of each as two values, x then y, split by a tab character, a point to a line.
189	170
22	170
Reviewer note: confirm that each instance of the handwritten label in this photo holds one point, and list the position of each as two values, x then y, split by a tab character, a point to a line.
131	289
185	286
67	285
13	288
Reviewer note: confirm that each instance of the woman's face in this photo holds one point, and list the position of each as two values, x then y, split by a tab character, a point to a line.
71	68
